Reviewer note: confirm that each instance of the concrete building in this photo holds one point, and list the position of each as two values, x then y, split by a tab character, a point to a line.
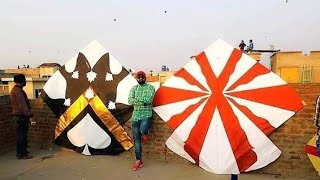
294	66
4	87
44	70
36	78
297	67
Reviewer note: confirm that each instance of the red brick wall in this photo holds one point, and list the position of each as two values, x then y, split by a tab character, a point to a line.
7	126
290	138
293	135
42	134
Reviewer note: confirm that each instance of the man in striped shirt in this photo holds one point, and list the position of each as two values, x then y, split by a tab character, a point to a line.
141	97
21	111
317	123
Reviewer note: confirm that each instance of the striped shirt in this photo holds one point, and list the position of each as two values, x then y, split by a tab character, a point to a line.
20	103
141	97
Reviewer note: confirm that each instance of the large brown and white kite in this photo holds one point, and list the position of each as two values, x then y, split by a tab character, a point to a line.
89	96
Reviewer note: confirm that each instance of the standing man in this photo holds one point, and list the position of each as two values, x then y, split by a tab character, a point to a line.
21	111
141	97
242	45
317	123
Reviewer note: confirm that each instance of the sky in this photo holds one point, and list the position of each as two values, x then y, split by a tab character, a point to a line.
146	34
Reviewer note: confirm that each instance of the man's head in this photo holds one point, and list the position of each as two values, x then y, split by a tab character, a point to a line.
20	79
250	40
141	77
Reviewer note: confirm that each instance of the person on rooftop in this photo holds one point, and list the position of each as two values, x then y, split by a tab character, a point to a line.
250	47
242	45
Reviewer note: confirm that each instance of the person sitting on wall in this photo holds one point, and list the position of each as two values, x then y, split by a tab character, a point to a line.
250	47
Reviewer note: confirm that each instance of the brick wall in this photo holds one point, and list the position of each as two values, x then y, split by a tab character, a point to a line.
7	126
293	135
42	134
290	138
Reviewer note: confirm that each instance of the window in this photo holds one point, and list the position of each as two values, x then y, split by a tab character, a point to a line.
37	93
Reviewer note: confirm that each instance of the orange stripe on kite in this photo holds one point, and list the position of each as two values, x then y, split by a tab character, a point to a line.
194	143
168	95
241	147
206	70
261	123
278	96
252	73
229	68
190	79
177	119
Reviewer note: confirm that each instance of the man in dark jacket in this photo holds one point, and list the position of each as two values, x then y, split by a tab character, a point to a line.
242	45
21	111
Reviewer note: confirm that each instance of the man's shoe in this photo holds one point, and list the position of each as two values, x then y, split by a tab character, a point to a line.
137	165
144	139
24	157
27	153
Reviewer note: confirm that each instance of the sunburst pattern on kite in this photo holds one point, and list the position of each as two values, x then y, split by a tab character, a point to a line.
221	106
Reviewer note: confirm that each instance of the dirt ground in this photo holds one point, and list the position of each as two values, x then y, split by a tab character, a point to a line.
66	164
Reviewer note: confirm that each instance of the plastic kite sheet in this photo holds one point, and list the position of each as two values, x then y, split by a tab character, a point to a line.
311	150
221	106
89	96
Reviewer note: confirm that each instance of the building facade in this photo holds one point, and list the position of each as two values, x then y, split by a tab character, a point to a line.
296	67
36	78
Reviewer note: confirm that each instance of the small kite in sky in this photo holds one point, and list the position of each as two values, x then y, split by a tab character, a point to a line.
221	106
89	97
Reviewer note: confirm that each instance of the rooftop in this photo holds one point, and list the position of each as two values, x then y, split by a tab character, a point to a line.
49	65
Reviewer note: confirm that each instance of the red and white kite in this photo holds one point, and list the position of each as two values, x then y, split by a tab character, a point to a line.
221	106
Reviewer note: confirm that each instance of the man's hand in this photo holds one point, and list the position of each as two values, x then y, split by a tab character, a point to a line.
33	121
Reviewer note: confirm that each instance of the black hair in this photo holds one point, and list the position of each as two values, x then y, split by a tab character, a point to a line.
19	78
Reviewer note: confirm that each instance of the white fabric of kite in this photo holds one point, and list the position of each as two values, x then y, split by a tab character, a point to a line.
221	106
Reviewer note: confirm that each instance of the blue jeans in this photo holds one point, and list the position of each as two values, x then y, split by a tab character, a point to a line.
139	128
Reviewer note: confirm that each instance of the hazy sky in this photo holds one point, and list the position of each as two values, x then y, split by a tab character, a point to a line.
143	35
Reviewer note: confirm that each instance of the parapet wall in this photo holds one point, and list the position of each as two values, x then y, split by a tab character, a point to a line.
290	138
